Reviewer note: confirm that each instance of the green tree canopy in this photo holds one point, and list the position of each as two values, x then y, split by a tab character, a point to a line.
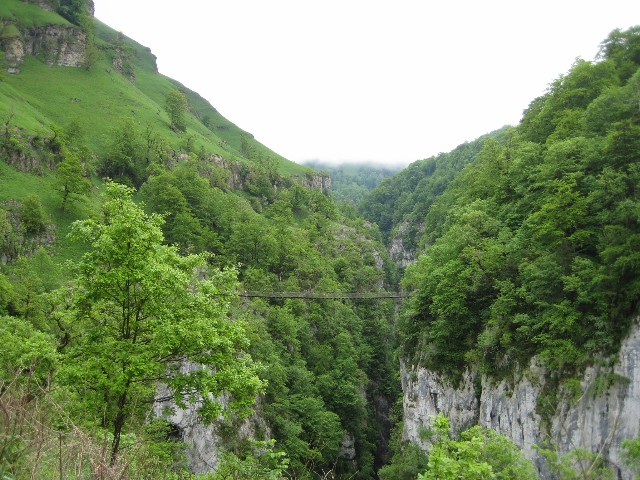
176	105
71	179
141	314
479	454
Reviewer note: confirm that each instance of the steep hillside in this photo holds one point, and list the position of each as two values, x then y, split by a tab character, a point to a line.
399	205
115	78
528	267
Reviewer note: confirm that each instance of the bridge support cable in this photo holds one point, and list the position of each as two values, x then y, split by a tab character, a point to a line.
326	295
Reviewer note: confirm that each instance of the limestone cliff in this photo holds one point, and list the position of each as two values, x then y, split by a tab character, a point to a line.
58	44
315	181
605	413
399	252
204	442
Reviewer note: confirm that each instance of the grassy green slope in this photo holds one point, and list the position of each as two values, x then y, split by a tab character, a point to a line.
40	97
100	97
28	15
213	131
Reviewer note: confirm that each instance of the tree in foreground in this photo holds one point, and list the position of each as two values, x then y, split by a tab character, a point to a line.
479	454
138	314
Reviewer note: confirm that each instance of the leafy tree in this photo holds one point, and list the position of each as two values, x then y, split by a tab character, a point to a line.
261	461
139	314
406	464
28	354
123	160
6	294
71	179
75	11
479	454
578	464
32	216
623	48
8	244
27	290
176	105
632	454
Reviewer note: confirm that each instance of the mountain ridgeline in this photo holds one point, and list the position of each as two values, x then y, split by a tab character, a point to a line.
135	220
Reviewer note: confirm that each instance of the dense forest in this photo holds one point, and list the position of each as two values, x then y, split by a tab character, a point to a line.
147	251
529	249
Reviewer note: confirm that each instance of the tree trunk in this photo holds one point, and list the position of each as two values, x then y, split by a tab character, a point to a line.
118	423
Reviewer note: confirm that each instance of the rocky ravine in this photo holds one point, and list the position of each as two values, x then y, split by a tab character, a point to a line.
606	413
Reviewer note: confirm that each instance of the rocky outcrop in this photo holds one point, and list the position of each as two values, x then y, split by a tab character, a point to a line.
57	44
234	175
123	65
605	413
425	394
223	173
14	54
400	254
315	181
204	444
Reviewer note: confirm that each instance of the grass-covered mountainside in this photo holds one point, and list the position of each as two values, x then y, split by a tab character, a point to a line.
118	81
528	238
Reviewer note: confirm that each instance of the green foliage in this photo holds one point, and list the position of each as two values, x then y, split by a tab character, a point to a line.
398	205
75	11
261	461
137	314
578	464
32	216
623	48
29	355
8	236
28	14
28	359
408	459
71	179
176	106
478	454
10	31
123	161
631	454
530	248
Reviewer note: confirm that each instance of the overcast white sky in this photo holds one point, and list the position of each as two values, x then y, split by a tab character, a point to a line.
368	80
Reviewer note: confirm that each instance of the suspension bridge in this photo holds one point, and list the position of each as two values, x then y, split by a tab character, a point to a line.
325	295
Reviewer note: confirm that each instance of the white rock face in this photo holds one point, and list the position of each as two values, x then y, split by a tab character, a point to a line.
425	394
607	412
204	443
59	45
511	409
400	254
13	54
